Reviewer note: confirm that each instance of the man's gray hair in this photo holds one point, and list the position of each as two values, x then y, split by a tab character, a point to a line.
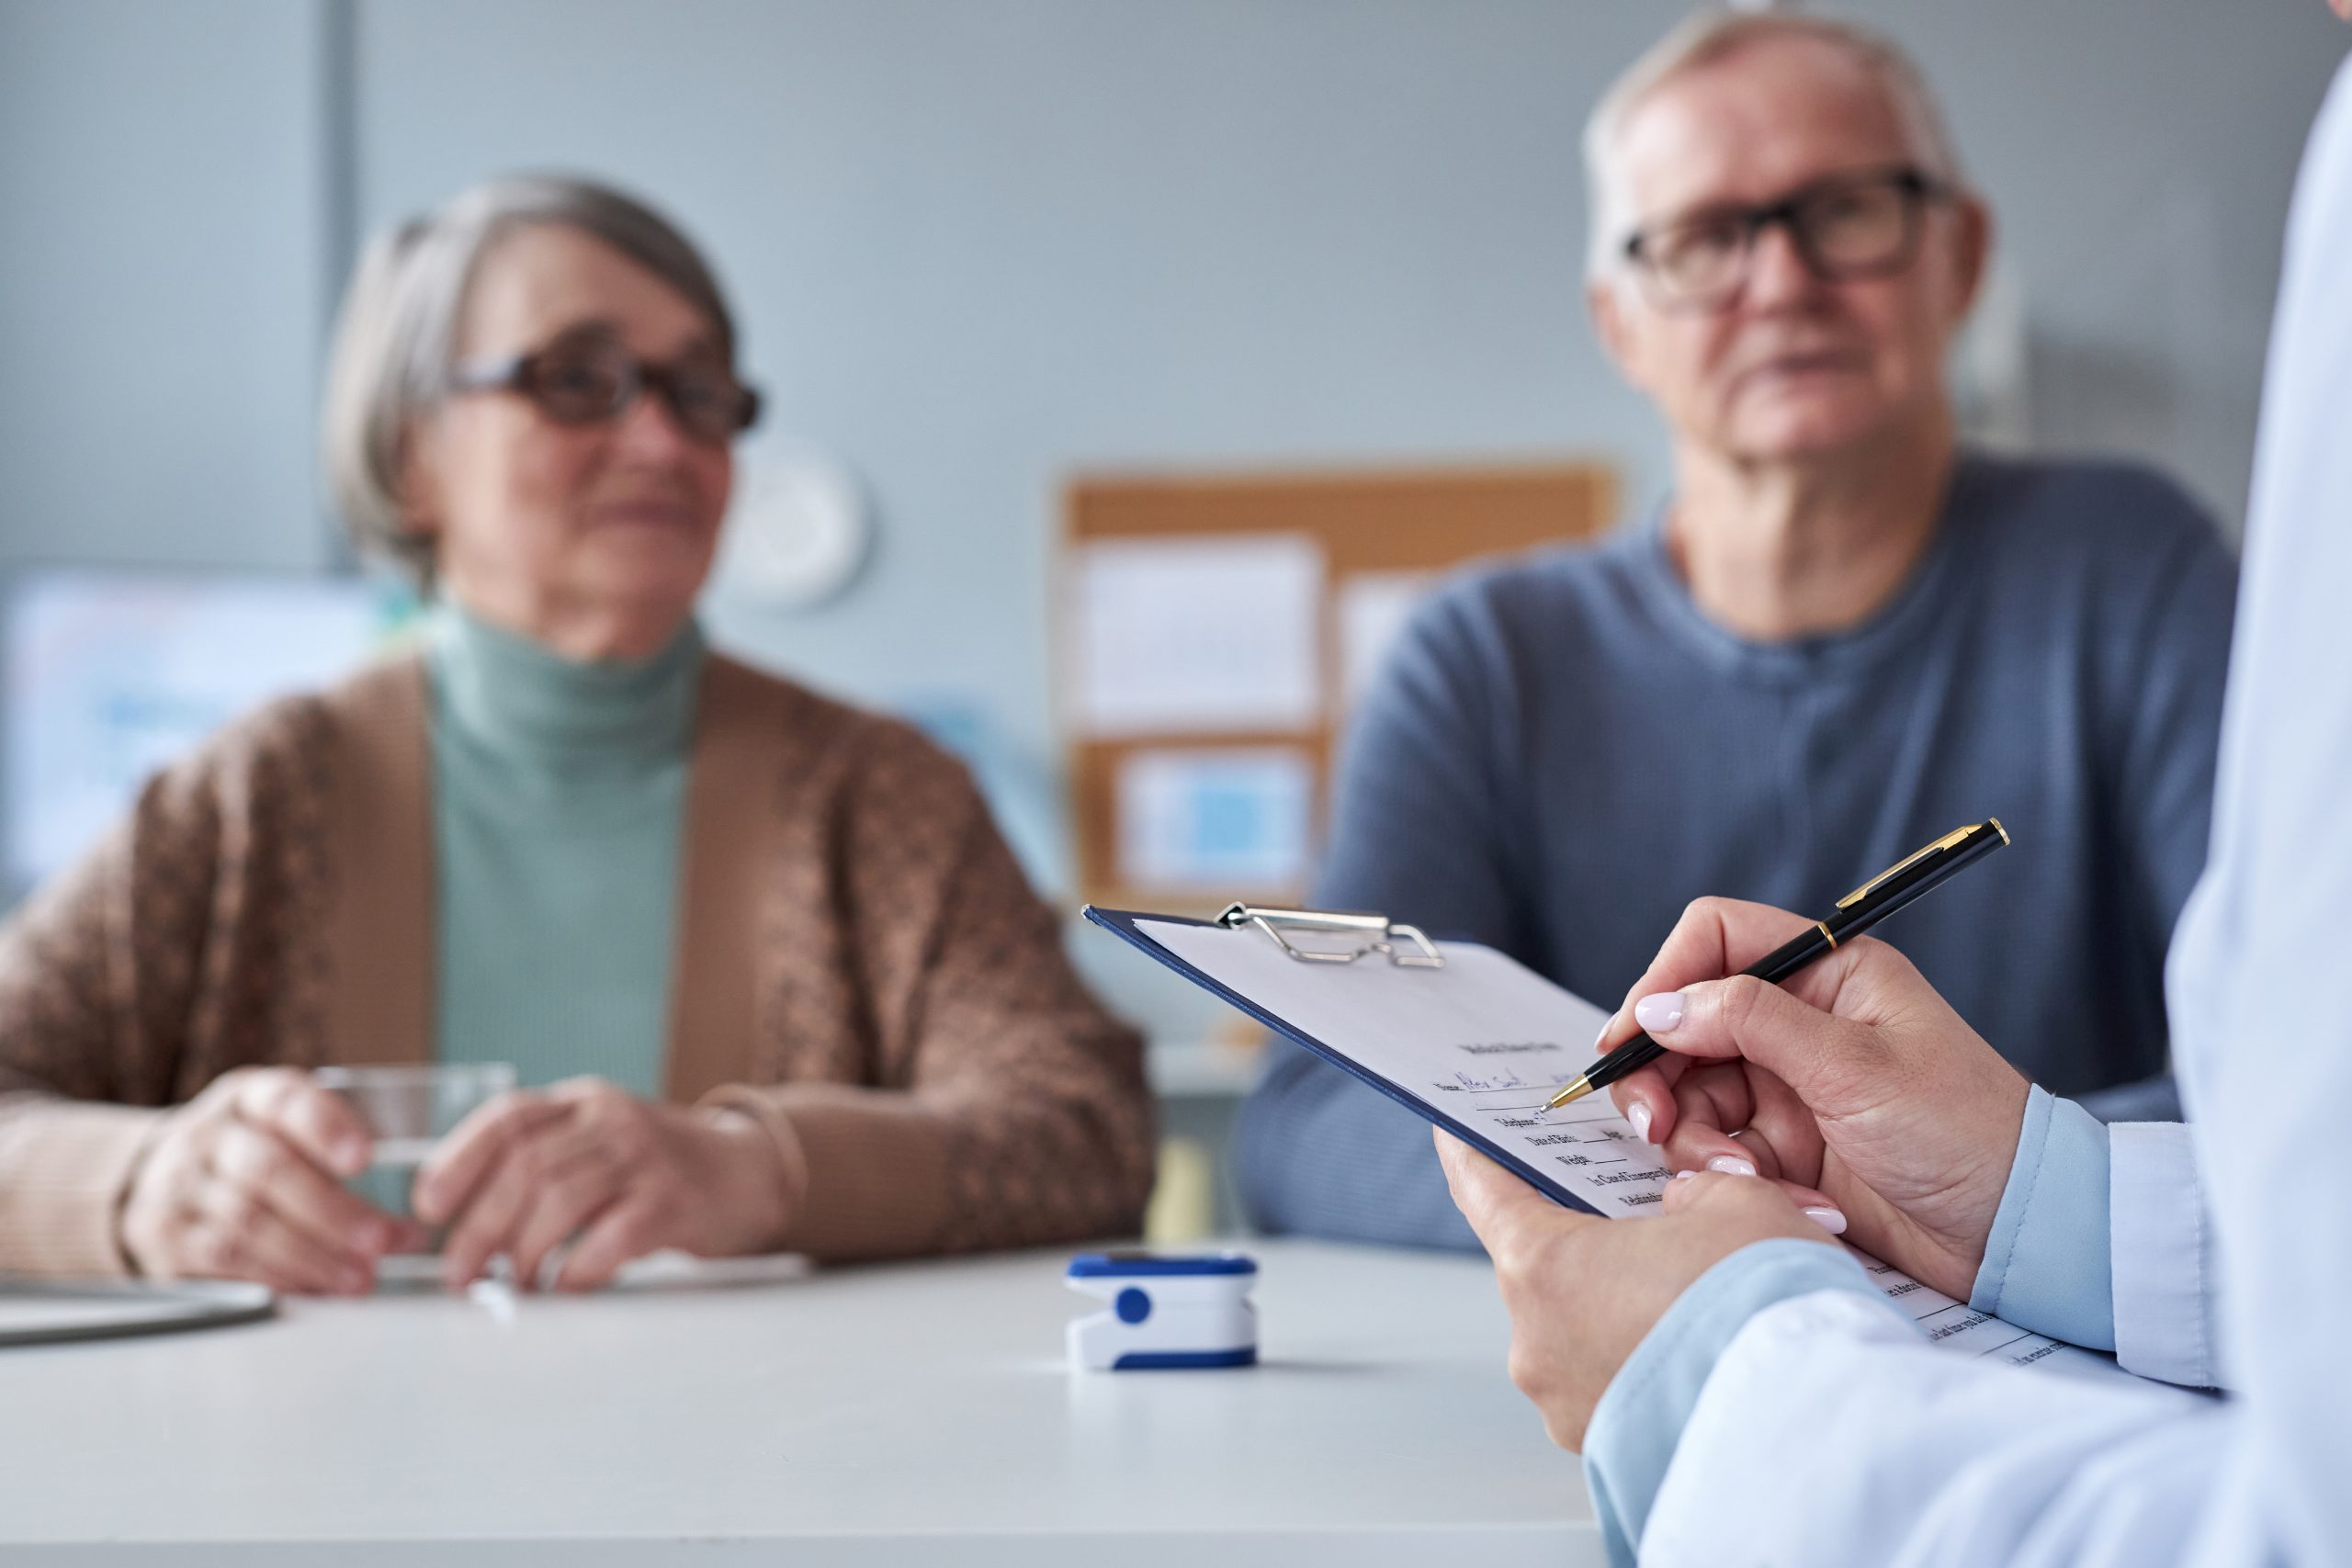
1711	34
397	342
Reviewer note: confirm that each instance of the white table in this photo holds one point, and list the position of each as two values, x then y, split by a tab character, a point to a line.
917	1413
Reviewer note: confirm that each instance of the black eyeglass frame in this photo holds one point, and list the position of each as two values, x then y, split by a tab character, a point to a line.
522	373
1916	187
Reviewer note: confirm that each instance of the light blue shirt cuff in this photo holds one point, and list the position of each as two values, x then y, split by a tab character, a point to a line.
2047	1266
1639	1420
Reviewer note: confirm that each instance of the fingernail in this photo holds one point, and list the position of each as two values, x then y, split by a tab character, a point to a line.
1606	1025
1640	1117
1830	1220
1730	1167
1685	1174
1659	1014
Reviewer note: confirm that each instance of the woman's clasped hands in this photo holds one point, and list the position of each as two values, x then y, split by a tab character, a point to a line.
1850	1100
586	1162
247	1181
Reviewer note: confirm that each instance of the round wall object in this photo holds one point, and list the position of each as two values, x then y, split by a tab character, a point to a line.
796	532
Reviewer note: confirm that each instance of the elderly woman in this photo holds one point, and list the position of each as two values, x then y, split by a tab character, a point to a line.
782	983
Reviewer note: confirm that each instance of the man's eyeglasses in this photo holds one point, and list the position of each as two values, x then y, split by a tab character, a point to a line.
590	379
1848	226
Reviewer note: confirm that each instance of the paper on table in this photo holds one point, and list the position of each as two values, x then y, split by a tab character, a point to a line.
1484	1042
1188	636
663	1271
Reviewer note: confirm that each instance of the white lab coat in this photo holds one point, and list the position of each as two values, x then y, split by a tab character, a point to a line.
1829	1434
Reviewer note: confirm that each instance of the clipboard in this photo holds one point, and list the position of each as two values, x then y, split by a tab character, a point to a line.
1366	937
1421	1008
51	1312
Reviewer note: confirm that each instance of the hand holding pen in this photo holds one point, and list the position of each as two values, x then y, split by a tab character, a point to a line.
1853	1079
1857	912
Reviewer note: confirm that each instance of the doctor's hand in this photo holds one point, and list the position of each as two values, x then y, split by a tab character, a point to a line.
1583	1290
1854	1077
586	1160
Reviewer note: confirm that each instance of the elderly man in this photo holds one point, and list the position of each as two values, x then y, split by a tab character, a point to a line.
1840	636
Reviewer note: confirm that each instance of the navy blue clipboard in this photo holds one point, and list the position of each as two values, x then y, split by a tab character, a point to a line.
1121	924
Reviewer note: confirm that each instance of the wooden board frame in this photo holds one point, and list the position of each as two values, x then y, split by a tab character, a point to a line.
1427	520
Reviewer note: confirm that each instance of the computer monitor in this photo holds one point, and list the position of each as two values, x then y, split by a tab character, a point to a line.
111	675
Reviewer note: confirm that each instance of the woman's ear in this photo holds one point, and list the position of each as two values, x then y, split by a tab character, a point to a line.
419	480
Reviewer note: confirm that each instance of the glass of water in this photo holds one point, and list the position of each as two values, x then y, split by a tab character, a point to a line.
406	1111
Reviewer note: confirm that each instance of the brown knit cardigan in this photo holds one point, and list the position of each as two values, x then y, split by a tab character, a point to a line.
859	964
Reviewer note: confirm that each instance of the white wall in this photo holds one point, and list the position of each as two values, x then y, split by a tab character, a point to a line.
161	229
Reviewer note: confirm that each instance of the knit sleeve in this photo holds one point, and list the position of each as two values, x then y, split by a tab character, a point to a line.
170	953
1003	1107
82	1058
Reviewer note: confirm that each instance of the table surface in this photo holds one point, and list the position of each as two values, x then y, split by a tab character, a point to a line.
867	1416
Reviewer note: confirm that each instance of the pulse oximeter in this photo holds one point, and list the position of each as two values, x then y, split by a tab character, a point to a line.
1165	1313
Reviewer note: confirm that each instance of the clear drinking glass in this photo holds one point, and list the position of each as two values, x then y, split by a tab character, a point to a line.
406	1111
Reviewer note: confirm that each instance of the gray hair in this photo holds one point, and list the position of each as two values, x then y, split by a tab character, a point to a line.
397	342
1711	34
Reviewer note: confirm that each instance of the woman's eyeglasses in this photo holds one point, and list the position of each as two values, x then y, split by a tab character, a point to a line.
1848	226
587	381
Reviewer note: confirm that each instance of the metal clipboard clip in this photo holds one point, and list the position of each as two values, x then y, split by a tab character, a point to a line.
1380	935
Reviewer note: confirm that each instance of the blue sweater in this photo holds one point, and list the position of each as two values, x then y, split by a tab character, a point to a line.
1563	752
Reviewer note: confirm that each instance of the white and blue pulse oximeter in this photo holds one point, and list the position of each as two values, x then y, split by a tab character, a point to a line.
1165	1312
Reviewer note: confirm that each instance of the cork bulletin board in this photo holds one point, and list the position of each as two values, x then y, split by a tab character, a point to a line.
1211	633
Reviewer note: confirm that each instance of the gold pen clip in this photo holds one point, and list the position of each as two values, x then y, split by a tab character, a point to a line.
1907	861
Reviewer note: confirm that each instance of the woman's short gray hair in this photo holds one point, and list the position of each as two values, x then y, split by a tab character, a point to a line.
1709	36
397	342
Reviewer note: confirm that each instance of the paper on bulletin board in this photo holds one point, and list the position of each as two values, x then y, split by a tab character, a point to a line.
1182	636
1212	820
1372	608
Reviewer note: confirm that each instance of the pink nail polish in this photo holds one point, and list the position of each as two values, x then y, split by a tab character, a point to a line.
1830	1220
1686	1175
1639	1116
1659	1014
1730	1167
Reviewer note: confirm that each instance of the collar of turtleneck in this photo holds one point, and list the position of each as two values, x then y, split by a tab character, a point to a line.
519	700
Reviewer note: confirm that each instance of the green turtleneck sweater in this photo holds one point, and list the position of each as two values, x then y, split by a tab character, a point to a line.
559	790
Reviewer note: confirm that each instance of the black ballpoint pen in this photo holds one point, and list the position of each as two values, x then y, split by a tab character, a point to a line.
1857	912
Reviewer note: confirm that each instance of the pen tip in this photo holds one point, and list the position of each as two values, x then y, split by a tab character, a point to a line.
1571	1094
